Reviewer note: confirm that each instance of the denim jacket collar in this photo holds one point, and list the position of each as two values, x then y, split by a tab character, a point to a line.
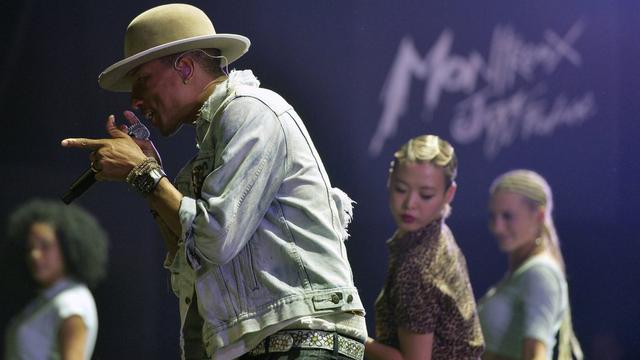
215	102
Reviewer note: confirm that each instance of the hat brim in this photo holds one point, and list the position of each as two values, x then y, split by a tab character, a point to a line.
231	46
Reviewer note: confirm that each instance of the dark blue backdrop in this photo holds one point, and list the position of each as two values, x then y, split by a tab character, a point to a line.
546	85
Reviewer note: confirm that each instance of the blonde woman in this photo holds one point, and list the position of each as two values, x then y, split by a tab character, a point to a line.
426	309
522	314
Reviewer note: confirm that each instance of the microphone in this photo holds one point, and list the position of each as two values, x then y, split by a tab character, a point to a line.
88	178
79	186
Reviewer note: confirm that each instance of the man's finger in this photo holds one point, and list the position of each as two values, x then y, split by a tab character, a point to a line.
112	129
131	117
83	143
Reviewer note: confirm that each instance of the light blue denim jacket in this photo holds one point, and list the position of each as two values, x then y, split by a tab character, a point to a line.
262	229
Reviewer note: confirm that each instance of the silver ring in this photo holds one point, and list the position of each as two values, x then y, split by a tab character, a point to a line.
93	167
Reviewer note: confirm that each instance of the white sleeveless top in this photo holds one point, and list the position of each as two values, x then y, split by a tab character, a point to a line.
530	303
33	334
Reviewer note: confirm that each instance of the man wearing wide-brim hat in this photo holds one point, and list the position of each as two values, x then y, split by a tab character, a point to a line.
253	228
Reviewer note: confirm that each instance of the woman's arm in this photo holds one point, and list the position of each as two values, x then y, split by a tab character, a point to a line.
72	338
542	294
412	347
533	349
374	350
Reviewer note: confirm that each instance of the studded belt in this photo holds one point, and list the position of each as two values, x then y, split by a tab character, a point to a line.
285	340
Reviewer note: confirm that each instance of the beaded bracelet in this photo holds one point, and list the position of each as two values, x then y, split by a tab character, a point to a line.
145	176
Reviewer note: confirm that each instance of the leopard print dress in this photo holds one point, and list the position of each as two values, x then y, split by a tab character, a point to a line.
427	290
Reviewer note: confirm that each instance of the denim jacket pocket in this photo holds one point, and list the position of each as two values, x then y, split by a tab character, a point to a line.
182	182
247	268
178	274
214	301
328	301
201	166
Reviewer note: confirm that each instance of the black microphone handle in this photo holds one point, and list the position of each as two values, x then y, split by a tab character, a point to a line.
79	186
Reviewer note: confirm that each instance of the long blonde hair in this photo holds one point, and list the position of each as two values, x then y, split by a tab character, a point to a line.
432	149
537	192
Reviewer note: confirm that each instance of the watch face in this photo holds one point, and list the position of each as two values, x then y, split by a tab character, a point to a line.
148	182
145	182
142	183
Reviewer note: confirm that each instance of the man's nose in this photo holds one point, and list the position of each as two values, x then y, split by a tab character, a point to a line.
136	97
136	102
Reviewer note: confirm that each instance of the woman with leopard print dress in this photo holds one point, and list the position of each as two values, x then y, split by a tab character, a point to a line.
426	309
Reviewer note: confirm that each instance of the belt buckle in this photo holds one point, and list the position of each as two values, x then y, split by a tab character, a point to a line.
280	342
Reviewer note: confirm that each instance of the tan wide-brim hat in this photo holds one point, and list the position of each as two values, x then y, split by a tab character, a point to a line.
166	30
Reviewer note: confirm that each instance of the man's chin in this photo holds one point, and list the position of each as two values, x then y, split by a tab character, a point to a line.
170	132
505	248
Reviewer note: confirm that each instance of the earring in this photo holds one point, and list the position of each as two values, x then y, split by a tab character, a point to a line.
538	241
185	81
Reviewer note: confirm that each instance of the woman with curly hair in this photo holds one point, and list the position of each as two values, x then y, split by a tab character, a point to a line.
64	250
426	309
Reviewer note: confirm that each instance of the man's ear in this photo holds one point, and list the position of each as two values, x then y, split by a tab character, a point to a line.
185	67
186	71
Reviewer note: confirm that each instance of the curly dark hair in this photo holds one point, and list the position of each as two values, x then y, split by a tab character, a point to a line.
82	240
